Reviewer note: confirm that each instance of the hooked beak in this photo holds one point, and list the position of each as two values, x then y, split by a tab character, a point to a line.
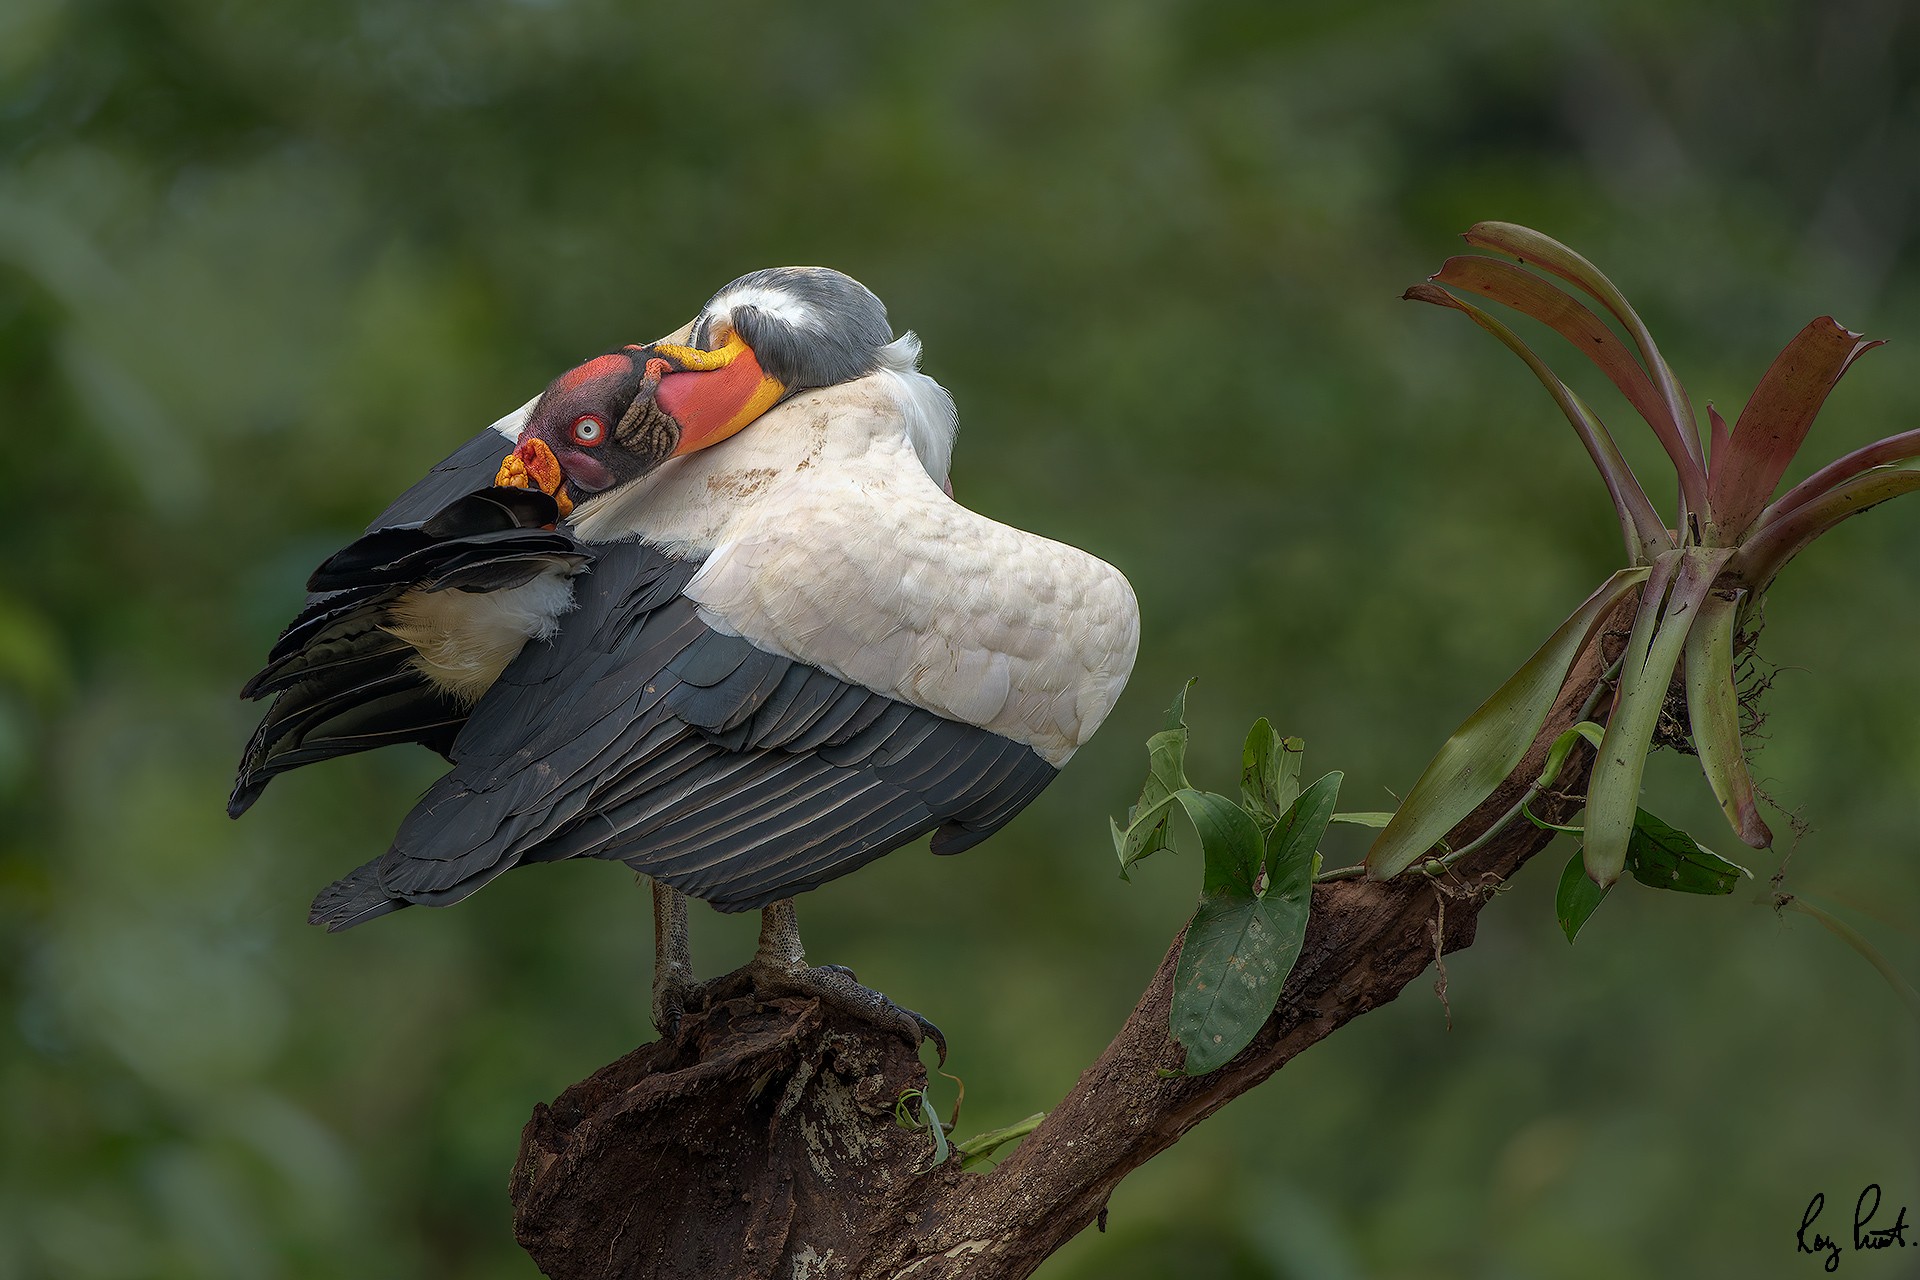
715	393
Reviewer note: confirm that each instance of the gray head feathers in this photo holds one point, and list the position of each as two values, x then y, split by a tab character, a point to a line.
808	326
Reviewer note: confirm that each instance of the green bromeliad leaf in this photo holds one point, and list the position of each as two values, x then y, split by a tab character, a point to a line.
1713	710
1493	740
1375	818
1654	649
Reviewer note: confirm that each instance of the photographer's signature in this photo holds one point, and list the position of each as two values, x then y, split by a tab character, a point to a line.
1865	1237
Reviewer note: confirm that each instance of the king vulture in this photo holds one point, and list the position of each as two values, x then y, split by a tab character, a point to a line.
706	607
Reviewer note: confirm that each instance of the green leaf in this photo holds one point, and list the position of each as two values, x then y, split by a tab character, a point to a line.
1577	897
1269	772
933	1125
1287	788
1241	944
1544	825
1144	835
1773	426
1230	840
1231	968
1365	818
1713	710
913	1109
1296	838
1640	526
1493	740
1147	832
1665	857
1646	671
1177	711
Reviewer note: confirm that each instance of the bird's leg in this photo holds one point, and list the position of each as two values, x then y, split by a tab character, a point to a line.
672	958
780	967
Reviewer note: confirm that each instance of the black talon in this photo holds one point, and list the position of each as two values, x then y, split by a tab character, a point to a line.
931	1032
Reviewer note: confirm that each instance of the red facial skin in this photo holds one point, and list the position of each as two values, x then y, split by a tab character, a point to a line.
576	416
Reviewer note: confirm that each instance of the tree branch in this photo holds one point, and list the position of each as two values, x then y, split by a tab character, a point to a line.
760	1141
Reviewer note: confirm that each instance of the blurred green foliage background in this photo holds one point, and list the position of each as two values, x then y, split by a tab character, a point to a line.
262	264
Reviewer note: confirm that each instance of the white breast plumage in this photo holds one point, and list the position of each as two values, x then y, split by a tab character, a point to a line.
826	540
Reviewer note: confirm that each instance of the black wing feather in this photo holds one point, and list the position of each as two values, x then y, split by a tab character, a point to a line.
468	469
737	775
340	681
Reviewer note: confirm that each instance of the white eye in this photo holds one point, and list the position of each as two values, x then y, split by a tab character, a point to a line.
589	431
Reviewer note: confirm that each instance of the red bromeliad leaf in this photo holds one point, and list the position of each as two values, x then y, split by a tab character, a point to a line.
1552	306
1785	536
1640	526
1675	427
1772	427
1904	447
1713	708
1717	433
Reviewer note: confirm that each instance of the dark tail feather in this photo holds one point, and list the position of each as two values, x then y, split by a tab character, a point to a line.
354	900
317	720
340	681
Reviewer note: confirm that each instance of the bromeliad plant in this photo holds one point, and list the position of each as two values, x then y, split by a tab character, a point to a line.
1701	582
1701	579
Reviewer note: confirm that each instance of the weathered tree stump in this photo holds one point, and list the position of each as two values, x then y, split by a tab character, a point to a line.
699	1155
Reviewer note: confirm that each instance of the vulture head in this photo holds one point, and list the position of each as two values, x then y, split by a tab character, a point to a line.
767	336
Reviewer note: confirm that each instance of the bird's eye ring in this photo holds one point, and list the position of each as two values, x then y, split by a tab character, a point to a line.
589	431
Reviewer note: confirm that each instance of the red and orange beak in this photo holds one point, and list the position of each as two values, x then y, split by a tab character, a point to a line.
715	393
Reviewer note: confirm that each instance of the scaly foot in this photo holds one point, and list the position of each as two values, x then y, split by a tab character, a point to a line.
673	983
779	968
